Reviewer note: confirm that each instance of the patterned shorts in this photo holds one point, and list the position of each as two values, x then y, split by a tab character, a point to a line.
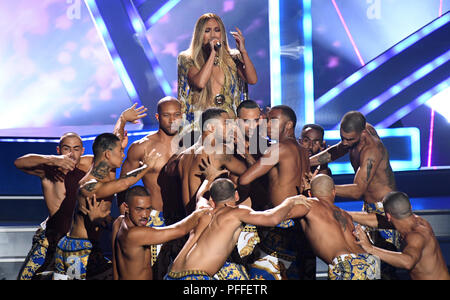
277	252
389	235
232	271
37	256
188	275
354	267
247	241
156	220
78	259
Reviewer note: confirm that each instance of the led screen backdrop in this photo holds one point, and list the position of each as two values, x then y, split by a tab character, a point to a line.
54	69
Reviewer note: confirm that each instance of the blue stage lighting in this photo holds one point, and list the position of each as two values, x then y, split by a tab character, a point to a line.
161	12
275	60
102	29
308	79
140	30
411	133
423	98
401	46
403	84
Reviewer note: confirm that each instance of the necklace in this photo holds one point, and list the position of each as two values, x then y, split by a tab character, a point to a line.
216	60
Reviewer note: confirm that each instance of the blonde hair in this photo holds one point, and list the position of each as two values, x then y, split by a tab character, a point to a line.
195	52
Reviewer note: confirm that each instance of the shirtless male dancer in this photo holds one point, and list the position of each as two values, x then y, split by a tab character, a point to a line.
373	173
59	179
312	139
59	176
132	238
330	232
286	164
214	238
213	142
169	117
421	254
251	144
77	254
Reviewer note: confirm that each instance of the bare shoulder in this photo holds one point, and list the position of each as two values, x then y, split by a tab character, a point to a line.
144	142
287	149
136	234
137	148
373	150
117	223
423	227
86	162
372	130
230	214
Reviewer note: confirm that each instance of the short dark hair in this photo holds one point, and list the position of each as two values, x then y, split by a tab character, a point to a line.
353	121
397	204
209	114
103	142
287	112
137	190
315	127
249	104
222	189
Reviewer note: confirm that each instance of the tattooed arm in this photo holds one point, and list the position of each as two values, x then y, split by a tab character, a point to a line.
328	155
370	160
104	189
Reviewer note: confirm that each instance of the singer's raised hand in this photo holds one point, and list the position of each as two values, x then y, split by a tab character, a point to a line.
240	40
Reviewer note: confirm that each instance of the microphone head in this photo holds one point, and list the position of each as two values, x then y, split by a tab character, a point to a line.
217	46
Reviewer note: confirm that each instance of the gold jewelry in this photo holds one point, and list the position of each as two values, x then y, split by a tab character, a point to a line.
216	60
219	99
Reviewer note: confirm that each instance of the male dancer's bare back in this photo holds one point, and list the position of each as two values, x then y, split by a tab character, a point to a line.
215	236
329	230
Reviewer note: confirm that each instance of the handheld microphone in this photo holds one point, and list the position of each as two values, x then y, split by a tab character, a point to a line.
217	46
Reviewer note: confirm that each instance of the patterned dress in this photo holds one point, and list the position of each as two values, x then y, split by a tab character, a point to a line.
189	96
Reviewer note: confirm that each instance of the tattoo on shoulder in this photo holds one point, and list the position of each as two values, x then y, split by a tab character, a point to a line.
90	186
101	171
370	162
339	216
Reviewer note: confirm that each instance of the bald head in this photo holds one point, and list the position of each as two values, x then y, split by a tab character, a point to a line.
322	186
168	99
69	135
397	205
